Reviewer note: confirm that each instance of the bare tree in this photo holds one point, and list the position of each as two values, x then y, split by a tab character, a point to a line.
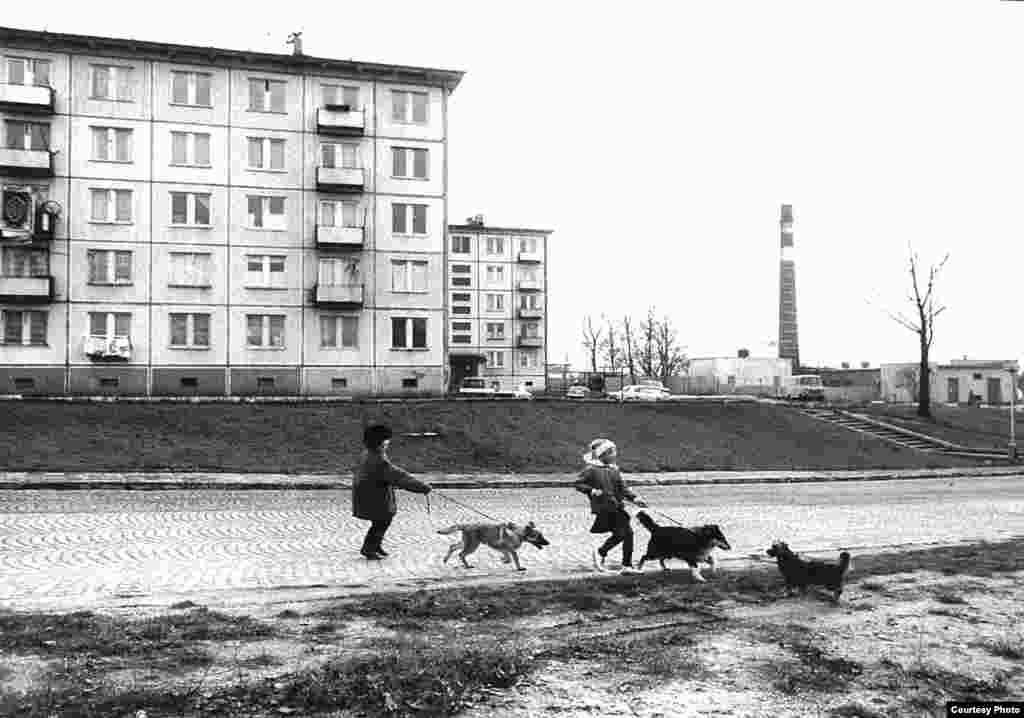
646	355
923	324
669	355
612	347
592	341
628	343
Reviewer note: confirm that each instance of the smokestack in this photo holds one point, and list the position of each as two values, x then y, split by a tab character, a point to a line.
789	343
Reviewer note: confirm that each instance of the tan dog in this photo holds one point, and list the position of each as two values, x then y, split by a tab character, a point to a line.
503	538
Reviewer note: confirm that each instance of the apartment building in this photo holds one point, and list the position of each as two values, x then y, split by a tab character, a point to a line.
193	220
497	299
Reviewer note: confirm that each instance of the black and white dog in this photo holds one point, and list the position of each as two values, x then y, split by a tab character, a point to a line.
692	545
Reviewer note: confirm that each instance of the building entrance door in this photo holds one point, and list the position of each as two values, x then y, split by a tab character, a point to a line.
995	390
953	390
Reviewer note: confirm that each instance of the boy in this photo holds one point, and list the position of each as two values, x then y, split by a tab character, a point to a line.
373	492
603	483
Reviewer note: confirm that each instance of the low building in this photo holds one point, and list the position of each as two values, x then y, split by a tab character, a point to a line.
961	381
761	376
853	385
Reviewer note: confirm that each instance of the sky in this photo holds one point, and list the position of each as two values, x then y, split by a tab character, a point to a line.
658	140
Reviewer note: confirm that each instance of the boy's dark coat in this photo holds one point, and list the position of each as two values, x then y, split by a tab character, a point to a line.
373	488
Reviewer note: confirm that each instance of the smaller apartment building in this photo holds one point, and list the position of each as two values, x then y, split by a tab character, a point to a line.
962	381
496	295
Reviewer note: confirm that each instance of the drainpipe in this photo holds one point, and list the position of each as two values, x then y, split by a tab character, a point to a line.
1012	446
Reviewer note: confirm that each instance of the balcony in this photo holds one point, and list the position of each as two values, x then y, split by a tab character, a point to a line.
340	179
529	342
107	348
340	120
530	313
339	237
26	98
338	295
529	285
531	257
32	163
26	290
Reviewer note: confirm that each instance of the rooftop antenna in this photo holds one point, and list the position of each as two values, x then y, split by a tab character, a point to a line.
295	39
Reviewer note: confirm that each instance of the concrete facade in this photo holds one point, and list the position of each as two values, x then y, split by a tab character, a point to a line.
226	216
962	381
763	376
497	300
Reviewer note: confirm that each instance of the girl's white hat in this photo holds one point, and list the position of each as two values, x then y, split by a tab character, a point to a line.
597	449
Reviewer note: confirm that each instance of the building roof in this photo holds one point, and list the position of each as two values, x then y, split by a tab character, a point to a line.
90	44
496	230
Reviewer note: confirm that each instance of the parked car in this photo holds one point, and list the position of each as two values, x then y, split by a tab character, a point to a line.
577	391
804	387
520	392
475	386
637	392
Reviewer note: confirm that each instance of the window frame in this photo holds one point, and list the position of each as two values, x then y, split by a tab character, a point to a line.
266	332
266	274
112	145
499	302
409	220
111	263
338	320
408	155
409	275
468	242
341	89
191	89
266	154
409	107
114	82
190	331
26	136
190	150
267	105
265	201
191	207
409	333
110	324
205	272
28	69
27	316
111	204
9	251
495	359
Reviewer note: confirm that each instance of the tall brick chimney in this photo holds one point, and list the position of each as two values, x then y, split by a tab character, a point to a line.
789	342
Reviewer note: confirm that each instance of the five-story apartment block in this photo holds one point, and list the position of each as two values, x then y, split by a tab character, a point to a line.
497	300
189	220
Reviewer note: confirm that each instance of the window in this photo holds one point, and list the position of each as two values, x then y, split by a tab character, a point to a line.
495	302
189	382
24	328
265	383
461	298
339	332
528	360
27	135
264	271
111	205
410	383
458	337
408	276
338	271
495	274
106	325
190	149
461	269
409	107
408	218
191	88
461	281
529	301
528	244
339	383
266	213
339	95
111	144
264	331
495	245
25	262
190	269
190	331
976	376
409	163
113	83
266	95
496	359
408	333
529	275
190	209
344	155
495	330
28	71
266	153
109	266
461	310
529	330
460	245
461	326
339	213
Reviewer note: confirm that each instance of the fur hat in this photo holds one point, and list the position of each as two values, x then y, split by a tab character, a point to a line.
376	435
597	449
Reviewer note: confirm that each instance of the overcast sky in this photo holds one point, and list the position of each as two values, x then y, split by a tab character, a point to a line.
658	140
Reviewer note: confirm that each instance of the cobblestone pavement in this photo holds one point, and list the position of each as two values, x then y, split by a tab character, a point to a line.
78	549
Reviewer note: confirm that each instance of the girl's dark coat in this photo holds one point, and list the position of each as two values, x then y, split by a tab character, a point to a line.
373	489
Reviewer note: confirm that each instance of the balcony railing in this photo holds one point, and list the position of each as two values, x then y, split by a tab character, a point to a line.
339	237
529	285
530	313
26	98
100	348
529	342
340	179
350	295
340	120
26	290
530	257
34	163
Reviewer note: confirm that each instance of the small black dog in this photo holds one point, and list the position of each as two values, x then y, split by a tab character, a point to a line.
801	573
692	545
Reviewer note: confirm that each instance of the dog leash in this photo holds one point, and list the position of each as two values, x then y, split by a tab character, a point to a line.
665	516
465	506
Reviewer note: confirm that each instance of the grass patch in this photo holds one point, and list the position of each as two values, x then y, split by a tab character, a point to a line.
950	598
814	670
472	437
855	710
1006	647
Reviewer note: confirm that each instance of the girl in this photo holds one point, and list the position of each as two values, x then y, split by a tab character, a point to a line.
603	483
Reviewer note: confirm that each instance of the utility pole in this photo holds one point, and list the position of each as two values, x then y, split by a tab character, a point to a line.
1012	447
